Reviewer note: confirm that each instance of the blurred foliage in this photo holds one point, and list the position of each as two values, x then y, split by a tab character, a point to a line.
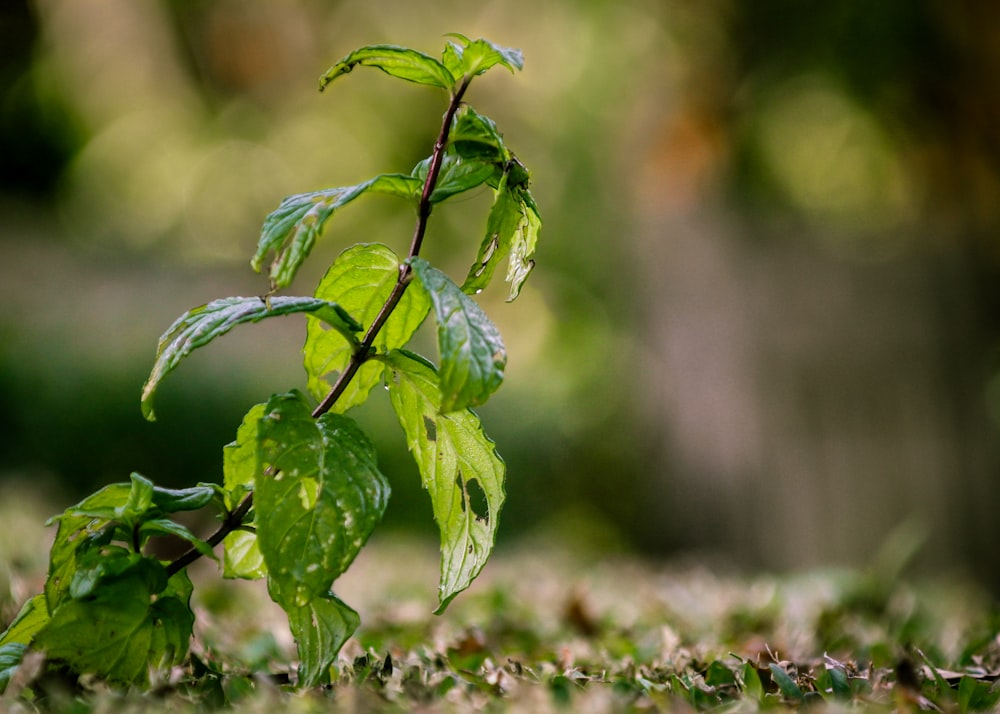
557	629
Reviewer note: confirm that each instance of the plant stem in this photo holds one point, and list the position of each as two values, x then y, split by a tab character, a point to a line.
364	349
233	520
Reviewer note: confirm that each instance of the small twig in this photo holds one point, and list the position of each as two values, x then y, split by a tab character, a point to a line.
232	522
364	349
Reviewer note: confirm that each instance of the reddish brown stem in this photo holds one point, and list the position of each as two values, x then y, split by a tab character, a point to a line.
235	519
364	350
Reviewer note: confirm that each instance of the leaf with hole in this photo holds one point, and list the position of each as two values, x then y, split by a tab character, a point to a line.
512	230
197	327
471	349
459	467
319	498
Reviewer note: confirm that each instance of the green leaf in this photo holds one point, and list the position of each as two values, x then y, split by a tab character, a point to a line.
291	230
140	499
31	618
840	685
167	527
197	327
523	244
752	685
240	467
123	628
512	229
975	694
169	500
321	499
78	534
360	280
240	462
789	688
474	136
459	467
472	352
401	62
457	175
320	628
242	557
467	58
11	655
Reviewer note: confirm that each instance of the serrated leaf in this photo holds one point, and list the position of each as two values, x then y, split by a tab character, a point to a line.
467	58
96	568
512	229
402	62
459	467
197	327
124	628
31	618
360	280
471	349
320	628
321	499
291	230
79	534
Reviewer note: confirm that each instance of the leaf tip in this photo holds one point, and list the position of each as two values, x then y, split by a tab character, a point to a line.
146	402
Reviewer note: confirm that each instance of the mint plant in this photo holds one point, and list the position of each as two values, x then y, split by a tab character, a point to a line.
301	490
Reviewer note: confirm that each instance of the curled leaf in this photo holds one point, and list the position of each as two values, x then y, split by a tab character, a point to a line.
401	62
291	230
197	327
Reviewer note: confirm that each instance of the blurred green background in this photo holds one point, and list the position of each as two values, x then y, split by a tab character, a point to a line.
764	323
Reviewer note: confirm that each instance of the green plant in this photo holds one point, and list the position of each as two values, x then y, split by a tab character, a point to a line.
302	491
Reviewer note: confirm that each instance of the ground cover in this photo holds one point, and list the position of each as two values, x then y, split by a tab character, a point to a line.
555	627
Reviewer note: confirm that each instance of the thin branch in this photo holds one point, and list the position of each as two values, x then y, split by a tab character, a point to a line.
233	521
364	349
